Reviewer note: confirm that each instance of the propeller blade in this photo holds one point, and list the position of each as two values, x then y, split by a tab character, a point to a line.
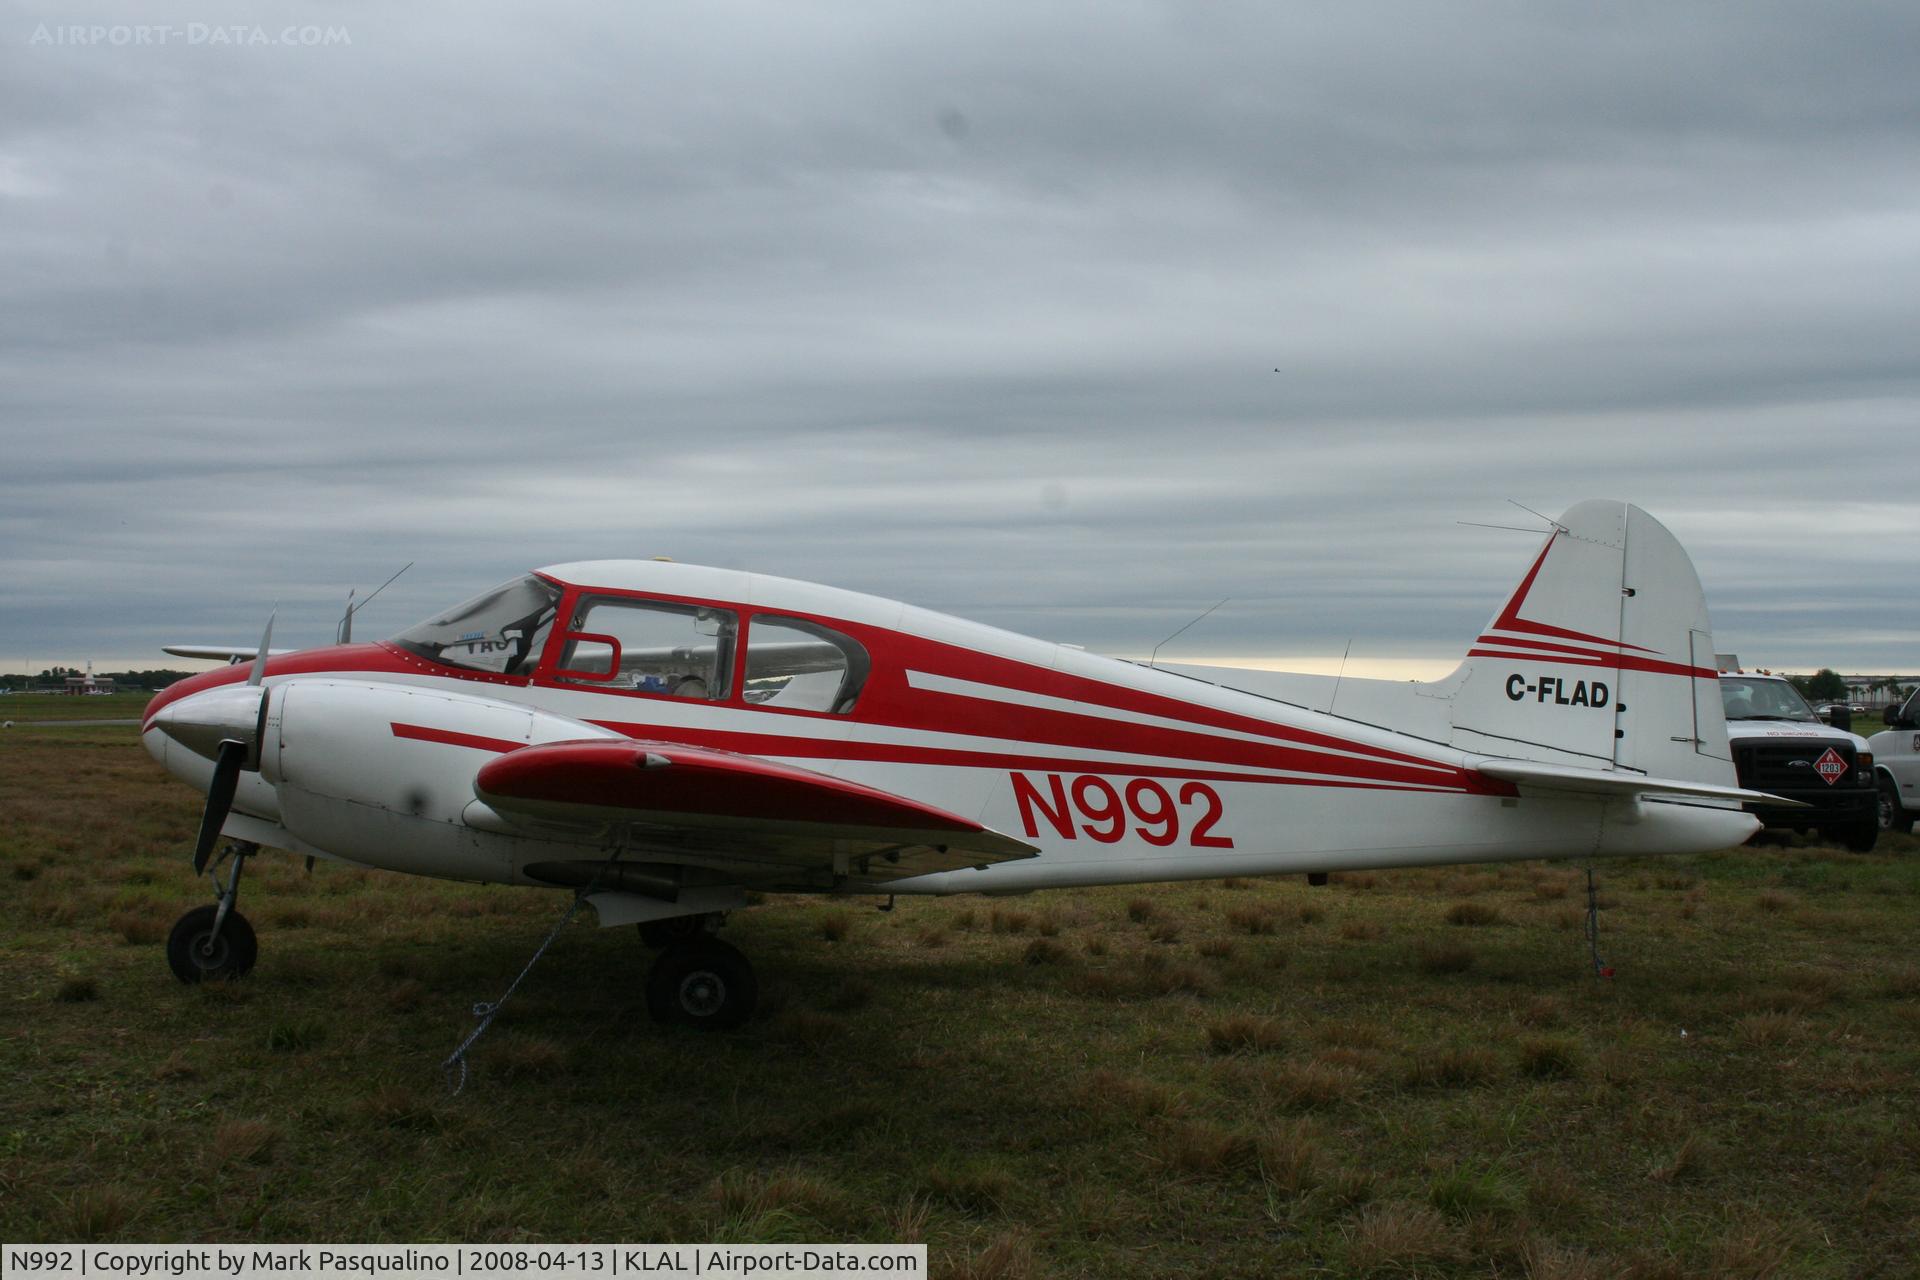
260	658
226	777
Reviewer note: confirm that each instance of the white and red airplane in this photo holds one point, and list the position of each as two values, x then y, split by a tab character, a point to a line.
665	739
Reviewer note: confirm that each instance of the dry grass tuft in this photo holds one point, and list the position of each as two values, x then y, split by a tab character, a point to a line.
849	994
1048	925
77	991
907	1221
1047	951
137	929
1398	1236
1164	931
1767	1030
1754	1249
1688	1160
1550	890
406	996
1773	901
1252	920
1097	944
1305	1085
1007	1256
1245	1033
1543	1011
1551	1057
1291	1154
1455	1067
835	926
934	935
966	919
1474	915
1135	1095
1215	949
1010	921
176	1067
396	1106
1200	1148
1361	931
239	1141
1141	910
979	1185
528	1057
1545	1260
1463	1193
1445	957
95	1213
294	1037
1362	880
1312	913
1236	882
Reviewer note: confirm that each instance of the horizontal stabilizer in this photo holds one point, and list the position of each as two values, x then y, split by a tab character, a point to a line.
722	807
221	652
1559	777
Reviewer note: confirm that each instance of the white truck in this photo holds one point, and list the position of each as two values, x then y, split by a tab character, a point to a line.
1896	765
1781	747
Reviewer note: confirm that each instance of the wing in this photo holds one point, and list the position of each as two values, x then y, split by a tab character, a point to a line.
1557	777
750	817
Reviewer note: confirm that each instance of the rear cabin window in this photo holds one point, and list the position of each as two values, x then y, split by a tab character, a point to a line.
648	646
802	666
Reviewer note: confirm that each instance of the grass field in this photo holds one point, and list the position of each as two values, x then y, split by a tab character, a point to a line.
30	708
1406	1073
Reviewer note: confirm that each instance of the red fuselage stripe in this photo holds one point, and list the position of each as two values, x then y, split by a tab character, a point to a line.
422	733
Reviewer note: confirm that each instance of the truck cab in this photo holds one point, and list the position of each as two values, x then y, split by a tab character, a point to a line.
1781	747
1896	765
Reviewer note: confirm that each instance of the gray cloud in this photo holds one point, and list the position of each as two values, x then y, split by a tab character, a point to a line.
1070	319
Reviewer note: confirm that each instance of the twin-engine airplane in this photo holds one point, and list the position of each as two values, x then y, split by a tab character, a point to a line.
665	739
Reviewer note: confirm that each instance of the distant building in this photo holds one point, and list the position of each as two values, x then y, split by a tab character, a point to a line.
89	683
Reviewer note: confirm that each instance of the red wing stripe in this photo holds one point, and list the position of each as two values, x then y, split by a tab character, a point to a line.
421	733
779	745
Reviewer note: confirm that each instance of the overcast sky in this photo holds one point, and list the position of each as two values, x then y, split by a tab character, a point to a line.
1070	318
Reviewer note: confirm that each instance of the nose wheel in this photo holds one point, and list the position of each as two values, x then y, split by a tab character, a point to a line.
215	941
702	983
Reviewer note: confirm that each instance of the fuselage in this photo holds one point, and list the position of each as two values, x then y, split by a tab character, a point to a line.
1116	772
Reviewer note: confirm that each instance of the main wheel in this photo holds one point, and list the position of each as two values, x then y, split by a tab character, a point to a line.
1892	816
661	934
195	954
702	983
1861	836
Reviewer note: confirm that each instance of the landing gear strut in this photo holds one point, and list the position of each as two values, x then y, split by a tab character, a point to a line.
661	934
215	941
702	982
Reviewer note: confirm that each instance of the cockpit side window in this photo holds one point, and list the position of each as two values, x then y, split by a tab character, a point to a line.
648	646
797	665
501	631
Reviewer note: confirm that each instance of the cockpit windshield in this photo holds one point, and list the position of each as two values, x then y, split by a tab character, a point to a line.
1751	698
501	631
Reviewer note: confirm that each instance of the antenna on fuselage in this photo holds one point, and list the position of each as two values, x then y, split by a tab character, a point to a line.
1335	695
345	634
1176	635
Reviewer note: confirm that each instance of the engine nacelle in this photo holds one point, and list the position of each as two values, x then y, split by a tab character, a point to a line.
382	773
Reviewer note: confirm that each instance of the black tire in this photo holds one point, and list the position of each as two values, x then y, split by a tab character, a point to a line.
231	956
1892	817
702	983
1861	836
661	934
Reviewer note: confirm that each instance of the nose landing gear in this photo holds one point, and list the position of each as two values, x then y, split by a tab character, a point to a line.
215	941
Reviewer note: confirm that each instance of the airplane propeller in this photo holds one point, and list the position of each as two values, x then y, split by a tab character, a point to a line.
224	725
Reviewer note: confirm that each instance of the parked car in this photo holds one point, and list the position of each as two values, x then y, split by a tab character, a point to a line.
1896	765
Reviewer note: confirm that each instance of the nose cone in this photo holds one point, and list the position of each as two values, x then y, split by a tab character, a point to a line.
202	721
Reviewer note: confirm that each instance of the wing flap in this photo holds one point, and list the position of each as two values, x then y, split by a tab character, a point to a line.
1559	777
754	815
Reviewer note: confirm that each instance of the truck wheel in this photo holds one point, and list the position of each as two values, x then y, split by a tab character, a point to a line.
1860	836
1892	816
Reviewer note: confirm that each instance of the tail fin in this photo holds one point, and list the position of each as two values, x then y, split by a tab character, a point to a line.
1602	657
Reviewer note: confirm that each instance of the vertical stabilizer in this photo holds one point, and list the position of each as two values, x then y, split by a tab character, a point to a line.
1602	657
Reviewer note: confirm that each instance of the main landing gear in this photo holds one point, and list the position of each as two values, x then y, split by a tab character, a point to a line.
698	981
215	941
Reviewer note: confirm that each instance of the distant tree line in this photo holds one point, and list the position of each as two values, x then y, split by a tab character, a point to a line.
56	678
1826	685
